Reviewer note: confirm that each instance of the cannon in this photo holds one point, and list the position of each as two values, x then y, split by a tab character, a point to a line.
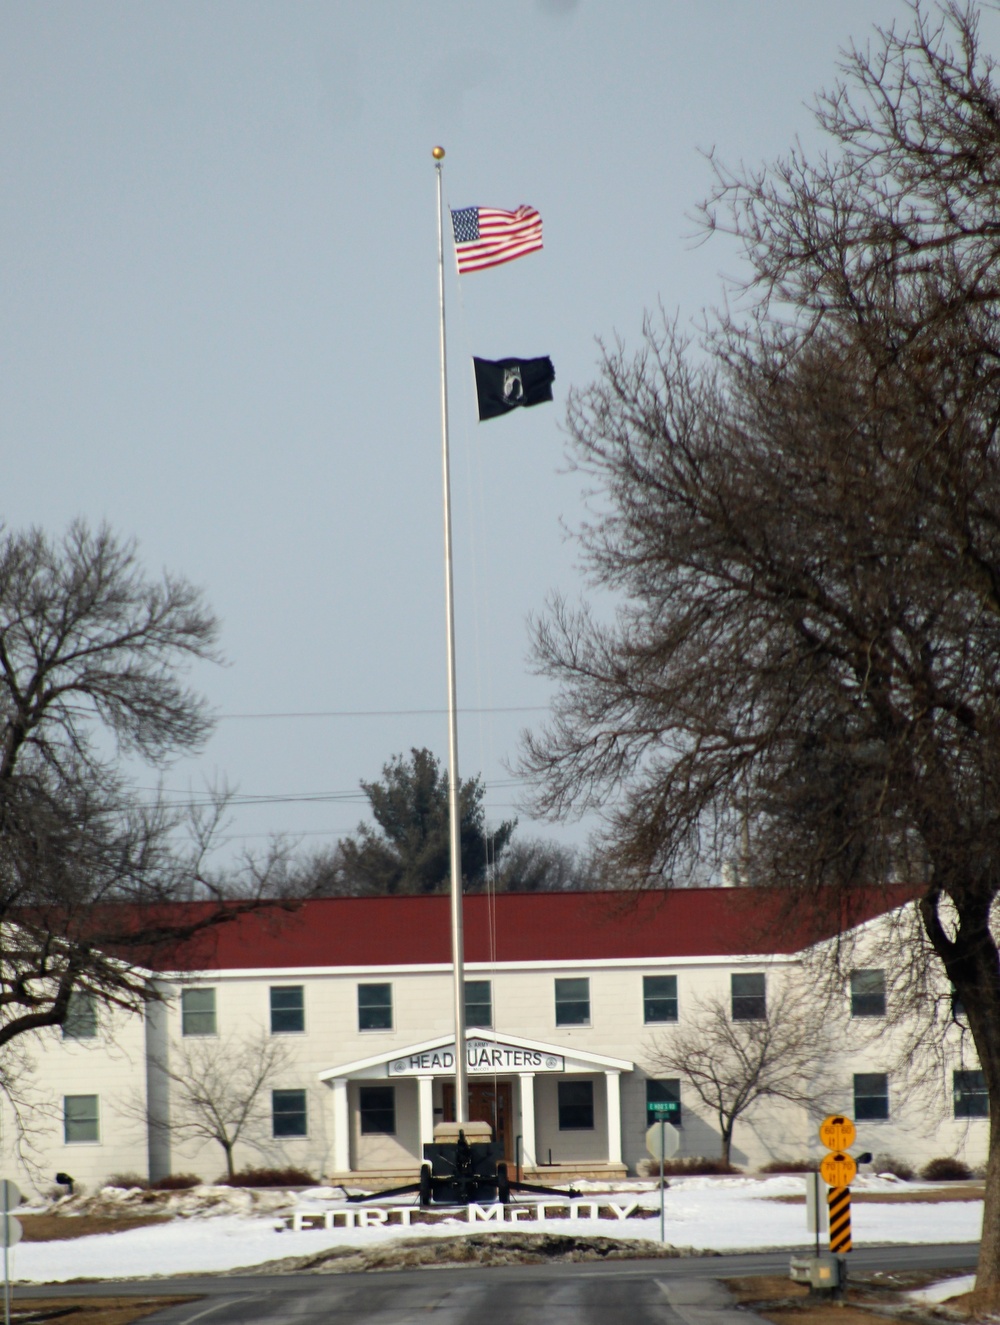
463	1165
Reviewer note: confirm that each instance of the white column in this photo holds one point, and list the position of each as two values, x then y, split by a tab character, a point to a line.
614	1117
341	1127
425	1111
527	1088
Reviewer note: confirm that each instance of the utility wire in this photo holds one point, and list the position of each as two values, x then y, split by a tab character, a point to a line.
379	713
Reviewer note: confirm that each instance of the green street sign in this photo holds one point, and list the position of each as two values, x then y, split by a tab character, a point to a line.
669	1109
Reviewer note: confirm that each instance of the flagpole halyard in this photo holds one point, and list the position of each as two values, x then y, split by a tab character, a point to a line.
454	809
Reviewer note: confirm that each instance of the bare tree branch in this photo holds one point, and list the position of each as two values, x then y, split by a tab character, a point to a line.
733	1065
219	1091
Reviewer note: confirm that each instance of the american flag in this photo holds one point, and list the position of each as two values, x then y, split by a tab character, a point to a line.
485	237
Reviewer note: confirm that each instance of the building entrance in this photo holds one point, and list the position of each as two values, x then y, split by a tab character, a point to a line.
489	1102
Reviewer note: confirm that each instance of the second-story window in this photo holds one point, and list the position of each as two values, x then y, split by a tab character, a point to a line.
374	1007
573	1002
198	1012
659	998
81	1017
288	1009
749	997
478	1003
868	993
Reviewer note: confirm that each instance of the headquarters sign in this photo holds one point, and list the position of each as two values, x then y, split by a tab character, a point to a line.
484	1057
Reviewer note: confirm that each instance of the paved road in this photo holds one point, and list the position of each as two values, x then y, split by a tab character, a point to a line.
670	1292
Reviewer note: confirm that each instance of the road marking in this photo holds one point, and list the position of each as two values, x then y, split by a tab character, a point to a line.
694	1317
227	1302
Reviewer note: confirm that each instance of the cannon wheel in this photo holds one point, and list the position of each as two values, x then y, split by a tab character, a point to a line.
503	1184
425	1184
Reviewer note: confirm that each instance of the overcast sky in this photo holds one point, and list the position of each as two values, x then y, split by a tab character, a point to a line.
219	325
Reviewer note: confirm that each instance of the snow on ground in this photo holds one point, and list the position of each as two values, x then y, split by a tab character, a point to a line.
942	1291
218	1229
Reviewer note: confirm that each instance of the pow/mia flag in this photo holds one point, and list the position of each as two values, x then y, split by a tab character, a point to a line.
503	384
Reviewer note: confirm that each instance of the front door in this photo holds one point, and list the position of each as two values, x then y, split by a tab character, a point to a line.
489	1102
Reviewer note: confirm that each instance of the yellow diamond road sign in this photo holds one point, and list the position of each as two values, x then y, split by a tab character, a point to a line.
838	1169
837	1132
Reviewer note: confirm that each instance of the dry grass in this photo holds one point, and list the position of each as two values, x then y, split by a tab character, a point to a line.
90	1310
869	1298
764	1288
786	1303
60	1228
970	1192
819	1313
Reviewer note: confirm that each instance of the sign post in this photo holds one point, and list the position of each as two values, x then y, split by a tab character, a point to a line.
839	1170
11	1230
817	1211
663	1141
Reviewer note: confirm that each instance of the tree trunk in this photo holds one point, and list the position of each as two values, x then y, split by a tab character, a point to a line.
727	1141
986	1296
972	963
227	1146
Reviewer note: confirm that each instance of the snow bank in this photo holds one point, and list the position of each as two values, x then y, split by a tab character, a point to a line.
220	1228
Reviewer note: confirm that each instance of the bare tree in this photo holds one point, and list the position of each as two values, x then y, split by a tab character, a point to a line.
92	663
734	1064
803	524
219	1091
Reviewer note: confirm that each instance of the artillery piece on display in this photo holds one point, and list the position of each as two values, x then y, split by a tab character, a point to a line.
463	1165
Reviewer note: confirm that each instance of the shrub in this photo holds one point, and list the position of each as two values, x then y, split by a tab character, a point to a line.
897	1167
176	1182
269	1178
679	1168
127	1180
945	1170
789	1166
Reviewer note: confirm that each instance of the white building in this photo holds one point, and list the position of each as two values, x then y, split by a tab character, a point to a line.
567	996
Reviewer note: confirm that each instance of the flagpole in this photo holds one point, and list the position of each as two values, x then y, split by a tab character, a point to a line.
454	810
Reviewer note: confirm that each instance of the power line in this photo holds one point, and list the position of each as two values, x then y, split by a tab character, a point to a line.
378	713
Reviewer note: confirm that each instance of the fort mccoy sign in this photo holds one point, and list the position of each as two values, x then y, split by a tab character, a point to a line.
481	1056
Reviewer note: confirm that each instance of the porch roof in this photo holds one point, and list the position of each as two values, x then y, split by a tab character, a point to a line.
579	1058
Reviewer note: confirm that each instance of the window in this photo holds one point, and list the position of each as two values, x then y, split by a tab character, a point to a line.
378	1110
288	1010
871	1096
81	1017
749	998
197	1011
374	1007
971	1099
573	1002
576	1106
659	998
478	1003
868	993
660	1093
288	1113
80	1119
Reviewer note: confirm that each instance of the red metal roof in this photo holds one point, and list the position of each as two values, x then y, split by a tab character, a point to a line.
588	926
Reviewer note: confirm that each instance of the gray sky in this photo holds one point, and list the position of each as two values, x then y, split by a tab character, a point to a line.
219	323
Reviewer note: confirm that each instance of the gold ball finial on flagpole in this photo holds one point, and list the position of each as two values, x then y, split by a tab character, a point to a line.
437	153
